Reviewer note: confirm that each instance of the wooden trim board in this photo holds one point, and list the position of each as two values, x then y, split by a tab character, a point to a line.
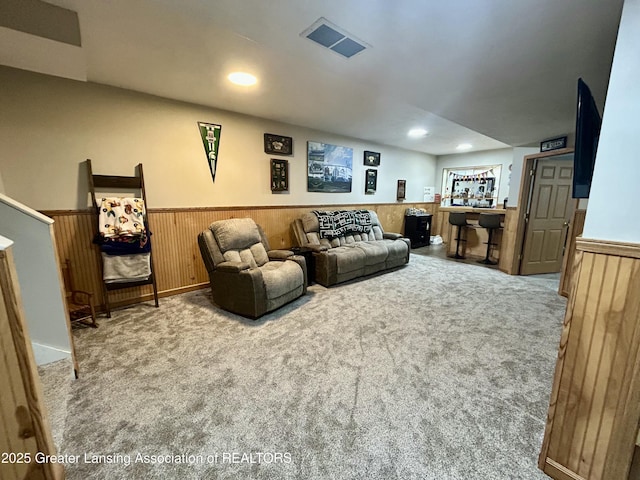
30	431
575	230
608	247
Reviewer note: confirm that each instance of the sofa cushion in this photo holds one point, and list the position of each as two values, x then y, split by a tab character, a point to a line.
240	256
236	234
313	238
376	252
281	278
395	248
259	254
348	259
310	222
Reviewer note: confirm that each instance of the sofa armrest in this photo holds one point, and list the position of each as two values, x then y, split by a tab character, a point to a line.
315	248
391	236
279	254
233	267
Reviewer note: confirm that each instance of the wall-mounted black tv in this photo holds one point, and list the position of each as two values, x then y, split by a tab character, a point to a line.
588	123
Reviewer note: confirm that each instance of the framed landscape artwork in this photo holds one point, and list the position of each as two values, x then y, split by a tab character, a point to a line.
329	168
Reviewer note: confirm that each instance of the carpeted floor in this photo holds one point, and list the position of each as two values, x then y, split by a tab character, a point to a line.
437	370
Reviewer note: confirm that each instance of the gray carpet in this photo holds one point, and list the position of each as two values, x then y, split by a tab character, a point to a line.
437	370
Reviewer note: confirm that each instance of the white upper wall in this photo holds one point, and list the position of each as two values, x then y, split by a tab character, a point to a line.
38	274
49	126
502	157
516	172
1	184
611	214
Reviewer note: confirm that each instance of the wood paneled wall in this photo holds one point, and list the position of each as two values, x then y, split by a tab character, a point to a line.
440	225
508	261
594	409
178	265
575	230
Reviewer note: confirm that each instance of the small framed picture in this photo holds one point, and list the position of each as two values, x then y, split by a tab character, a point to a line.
277	144
371	181
402	190
371	159
279	175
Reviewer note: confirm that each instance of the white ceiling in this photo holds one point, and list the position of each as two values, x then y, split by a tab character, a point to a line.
488	72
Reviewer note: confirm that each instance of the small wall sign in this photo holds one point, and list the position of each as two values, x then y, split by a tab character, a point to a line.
553	144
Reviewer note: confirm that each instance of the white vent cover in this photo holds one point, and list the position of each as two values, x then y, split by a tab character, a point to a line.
325	33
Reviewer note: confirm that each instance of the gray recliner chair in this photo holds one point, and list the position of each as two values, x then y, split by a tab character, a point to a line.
246	276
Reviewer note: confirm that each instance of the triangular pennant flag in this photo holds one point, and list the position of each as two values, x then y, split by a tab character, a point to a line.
210	134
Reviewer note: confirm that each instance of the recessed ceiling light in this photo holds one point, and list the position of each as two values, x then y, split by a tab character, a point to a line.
417	132
242	78
464	146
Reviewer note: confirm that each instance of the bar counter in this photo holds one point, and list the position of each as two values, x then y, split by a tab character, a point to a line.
475	246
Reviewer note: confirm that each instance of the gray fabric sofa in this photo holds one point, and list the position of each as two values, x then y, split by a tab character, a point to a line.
246	276
351	255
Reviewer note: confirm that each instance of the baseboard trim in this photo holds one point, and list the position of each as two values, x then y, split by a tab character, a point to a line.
559	472
608	247
47	354
149	296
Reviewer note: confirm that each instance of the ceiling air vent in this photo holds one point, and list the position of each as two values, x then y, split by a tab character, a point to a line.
325	33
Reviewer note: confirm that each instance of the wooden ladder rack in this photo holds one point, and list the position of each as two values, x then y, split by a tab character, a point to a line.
122	182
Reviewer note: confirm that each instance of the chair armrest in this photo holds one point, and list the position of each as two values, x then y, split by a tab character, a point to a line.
391	236
279	254
300	260
81	297
233	267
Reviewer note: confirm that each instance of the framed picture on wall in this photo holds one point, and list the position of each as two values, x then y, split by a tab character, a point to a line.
277	144
329	168
371	159
402	190
371	180
279	175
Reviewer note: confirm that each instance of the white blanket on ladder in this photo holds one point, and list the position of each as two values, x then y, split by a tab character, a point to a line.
126	268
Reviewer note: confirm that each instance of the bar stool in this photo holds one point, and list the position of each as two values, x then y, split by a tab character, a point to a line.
459	219
490	221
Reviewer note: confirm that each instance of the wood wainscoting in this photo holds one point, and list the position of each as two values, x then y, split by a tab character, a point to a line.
594	410
176	255
508	261
575	230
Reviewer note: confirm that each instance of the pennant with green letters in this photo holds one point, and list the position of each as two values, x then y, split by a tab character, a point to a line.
210	134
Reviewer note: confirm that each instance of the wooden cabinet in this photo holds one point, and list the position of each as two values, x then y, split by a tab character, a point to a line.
417	228
594	408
